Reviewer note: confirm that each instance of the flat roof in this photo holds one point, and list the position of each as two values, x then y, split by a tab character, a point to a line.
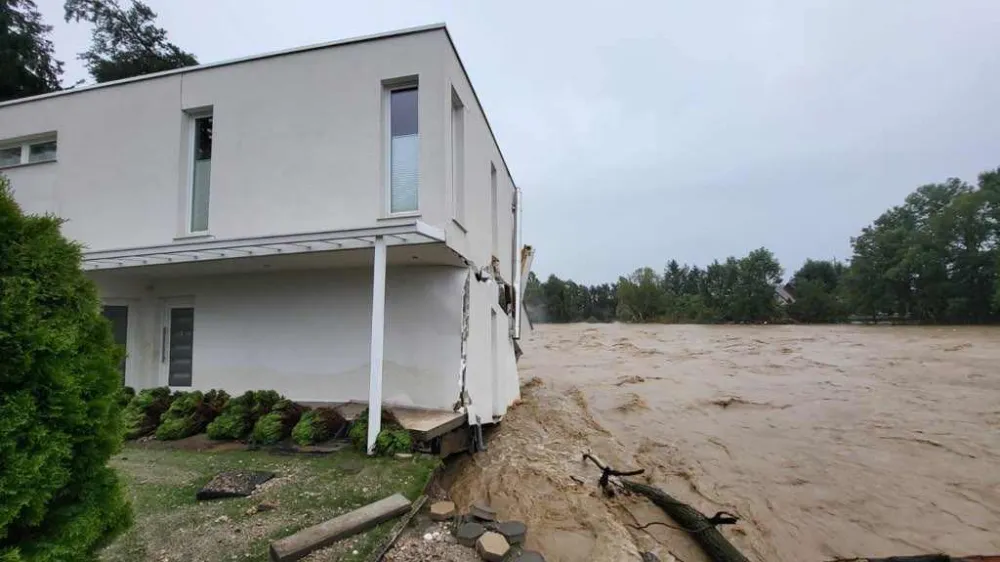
295	50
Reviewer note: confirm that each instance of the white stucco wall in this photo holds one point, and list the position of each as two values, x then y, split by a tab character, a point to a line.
305	333
298	145
475	239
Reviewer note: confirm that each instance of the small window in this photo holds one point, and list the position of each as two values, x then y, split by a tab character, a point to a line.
458	156
42	152
28	152
201	171
494	210
10	156
404	150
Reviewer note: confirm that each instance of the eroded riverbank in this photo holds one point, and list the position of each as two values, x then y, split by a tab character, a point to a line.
828	441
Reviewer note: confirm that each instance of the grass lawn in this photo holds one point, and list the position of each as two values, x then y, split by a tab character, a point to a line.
171	526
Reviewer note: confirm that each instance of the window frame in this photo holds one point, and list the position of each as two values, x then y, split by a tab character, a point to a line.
457	171
192	117
388	87
25	144
131	335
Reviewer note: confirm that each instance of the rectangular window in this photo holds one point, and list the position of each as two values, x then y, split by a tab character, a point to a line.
494	210
458	156
180	349
28	151
404	150
118	316
42	152
10	156
201	173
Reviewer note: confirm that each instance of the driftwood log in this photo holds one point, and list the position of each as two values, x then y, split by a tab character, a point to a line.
924	558
702	529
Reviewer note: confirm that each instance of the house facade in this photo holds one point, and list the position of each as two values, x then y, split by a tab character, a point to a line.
335	222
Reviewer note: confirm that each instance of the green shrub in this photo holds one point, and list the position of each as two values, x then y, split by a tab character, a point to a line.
391	439
142	415
190	413
240	414
278	423
59	385
317	426
125	395
234	421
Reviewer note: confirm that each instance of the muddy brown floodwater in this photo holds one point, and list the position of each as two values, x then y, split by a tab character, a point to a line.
827	441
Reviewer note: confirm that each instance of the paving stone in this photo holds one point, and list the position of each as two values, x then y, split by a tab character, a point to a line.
468	533
483	511
492	547
442	511
530	556
513	531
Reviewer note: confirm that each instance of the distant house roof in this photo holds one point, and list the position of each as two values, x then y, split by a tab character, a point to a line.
784	293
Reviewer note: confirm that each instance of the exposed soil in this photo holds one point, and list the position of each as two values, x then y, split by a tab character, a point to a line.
827	441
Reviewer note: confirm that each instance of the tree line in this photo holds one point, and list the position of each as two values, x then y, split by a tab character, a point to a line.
933	259
125	42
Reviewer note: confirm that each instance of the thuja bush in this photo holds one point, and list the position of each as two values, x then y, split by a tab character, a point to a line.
60	421
190	413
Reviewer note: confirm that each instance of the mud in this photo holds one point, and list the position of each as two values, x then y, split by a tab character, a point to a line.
827	441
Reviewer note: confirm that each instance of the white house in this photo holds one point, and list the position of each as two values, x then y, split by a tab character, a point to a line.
335	222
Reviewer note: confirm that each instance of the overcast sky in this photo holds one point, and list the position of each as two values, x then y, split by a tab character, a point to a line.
643	131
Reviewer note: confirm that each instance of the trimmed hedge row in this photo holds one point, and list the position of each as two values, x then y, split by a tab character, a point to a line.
260	416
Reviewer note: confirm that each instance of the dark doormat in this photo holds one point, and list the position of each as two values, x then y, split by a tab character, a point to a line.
233	484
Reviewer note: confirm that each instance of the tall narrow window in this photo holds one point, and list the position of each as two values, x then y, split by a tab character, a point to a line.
404	150
201	175
494	211
458	156
118	316
179	334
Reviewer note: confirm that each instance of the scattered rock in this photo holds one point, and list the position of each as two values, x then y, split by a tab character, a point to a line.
442	511
222	519
492	547
483	512
513	531
468	533
233	484
261	508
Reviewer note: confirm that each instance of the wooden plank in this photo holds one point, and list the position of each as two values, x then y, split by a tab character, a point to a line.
318	536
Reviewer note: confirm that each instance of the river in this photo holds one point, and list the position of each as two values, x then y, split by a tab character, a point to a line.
827	441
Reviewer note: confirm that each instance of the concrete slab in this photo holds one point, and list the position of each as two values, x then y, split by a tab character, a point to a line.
492	547
514	531
425	423
483	511
442	511
469	533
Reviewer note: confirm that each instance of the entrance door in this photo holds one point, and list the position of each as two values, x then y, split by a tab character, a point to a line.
118	316
177	345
